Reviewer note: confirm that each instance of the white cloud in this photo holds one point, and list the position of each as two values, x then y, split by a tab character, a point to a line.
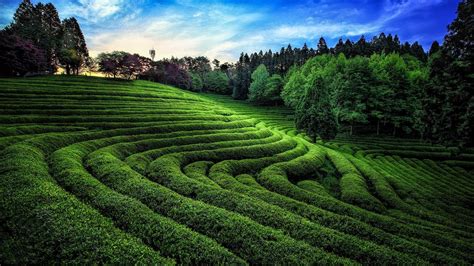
94	10
222	31
310	28
326	29
101	8
212	31
197	14
397	8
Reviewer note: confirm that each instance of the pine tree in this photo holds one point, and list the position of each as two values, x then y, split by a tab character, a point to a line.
379	43
289	58
242	80
41	25
52	33
405	48
458	43
304	54
339	48
451	73
74	51
362	48
396	44
24	20
238	83
417	51
322	47
348	48
281	60
434	48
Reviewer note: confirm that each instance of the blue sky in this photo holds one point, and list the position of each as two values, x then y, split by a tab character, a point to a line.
222	29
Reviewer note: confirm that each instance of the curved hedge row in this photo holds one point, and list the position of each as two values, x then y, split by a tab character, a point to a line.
47	225
172	239
98	171
249	240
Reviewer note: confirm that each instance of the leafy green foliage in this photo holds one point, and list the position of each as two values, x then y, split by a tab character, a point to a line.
265	89
450	104
196	82
384	89
273	89
139	172
259	84
217	81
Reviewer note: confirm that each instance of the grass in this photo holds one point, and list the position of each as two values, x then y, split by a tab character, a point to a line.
95	170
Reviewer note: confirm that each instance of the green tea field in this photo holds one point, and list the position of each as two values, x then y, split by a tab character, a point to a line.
101	171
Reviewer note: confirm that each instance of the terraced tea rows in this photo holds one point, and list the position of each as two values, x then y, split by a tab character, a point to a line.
95	170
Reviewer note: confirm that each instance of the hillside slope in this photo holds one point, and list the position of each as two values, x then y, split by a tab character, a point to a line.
96	170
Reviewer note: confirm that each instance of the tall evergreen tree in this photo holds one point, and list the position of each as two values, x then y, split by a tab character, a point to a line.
348	48
396	44
24	20
339	48
304	54
52	33
242	79
322	46
74	51
435	47
362	47
405	48
450	102
41	25
417	51
458	43
289	58
379	44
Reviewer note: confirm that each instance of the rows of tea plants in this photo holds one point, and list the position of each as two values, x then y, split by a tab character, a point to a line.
94	170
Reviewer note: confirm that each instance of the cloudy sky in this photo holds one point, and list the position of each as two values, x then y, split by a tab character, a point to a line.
222	29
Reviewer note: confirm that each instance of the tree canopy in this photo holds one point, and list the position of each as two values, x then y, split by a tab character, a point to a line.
40	42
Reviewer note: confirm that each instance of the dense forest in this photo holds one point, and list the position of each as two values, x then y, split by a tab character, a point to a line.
377	86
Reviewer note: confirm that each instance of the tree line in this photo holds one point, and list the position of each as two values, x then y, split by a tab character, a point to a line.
332	93
190	73
377	86
426	95
37	41
280	62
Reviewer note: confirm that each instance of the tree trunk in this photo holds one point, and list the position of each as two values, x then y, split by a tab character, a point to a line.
394	130
68	70
378	127
351	129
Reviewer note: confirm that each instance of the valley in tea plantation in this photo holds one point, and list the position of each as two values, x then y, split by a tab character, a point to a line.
94	170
